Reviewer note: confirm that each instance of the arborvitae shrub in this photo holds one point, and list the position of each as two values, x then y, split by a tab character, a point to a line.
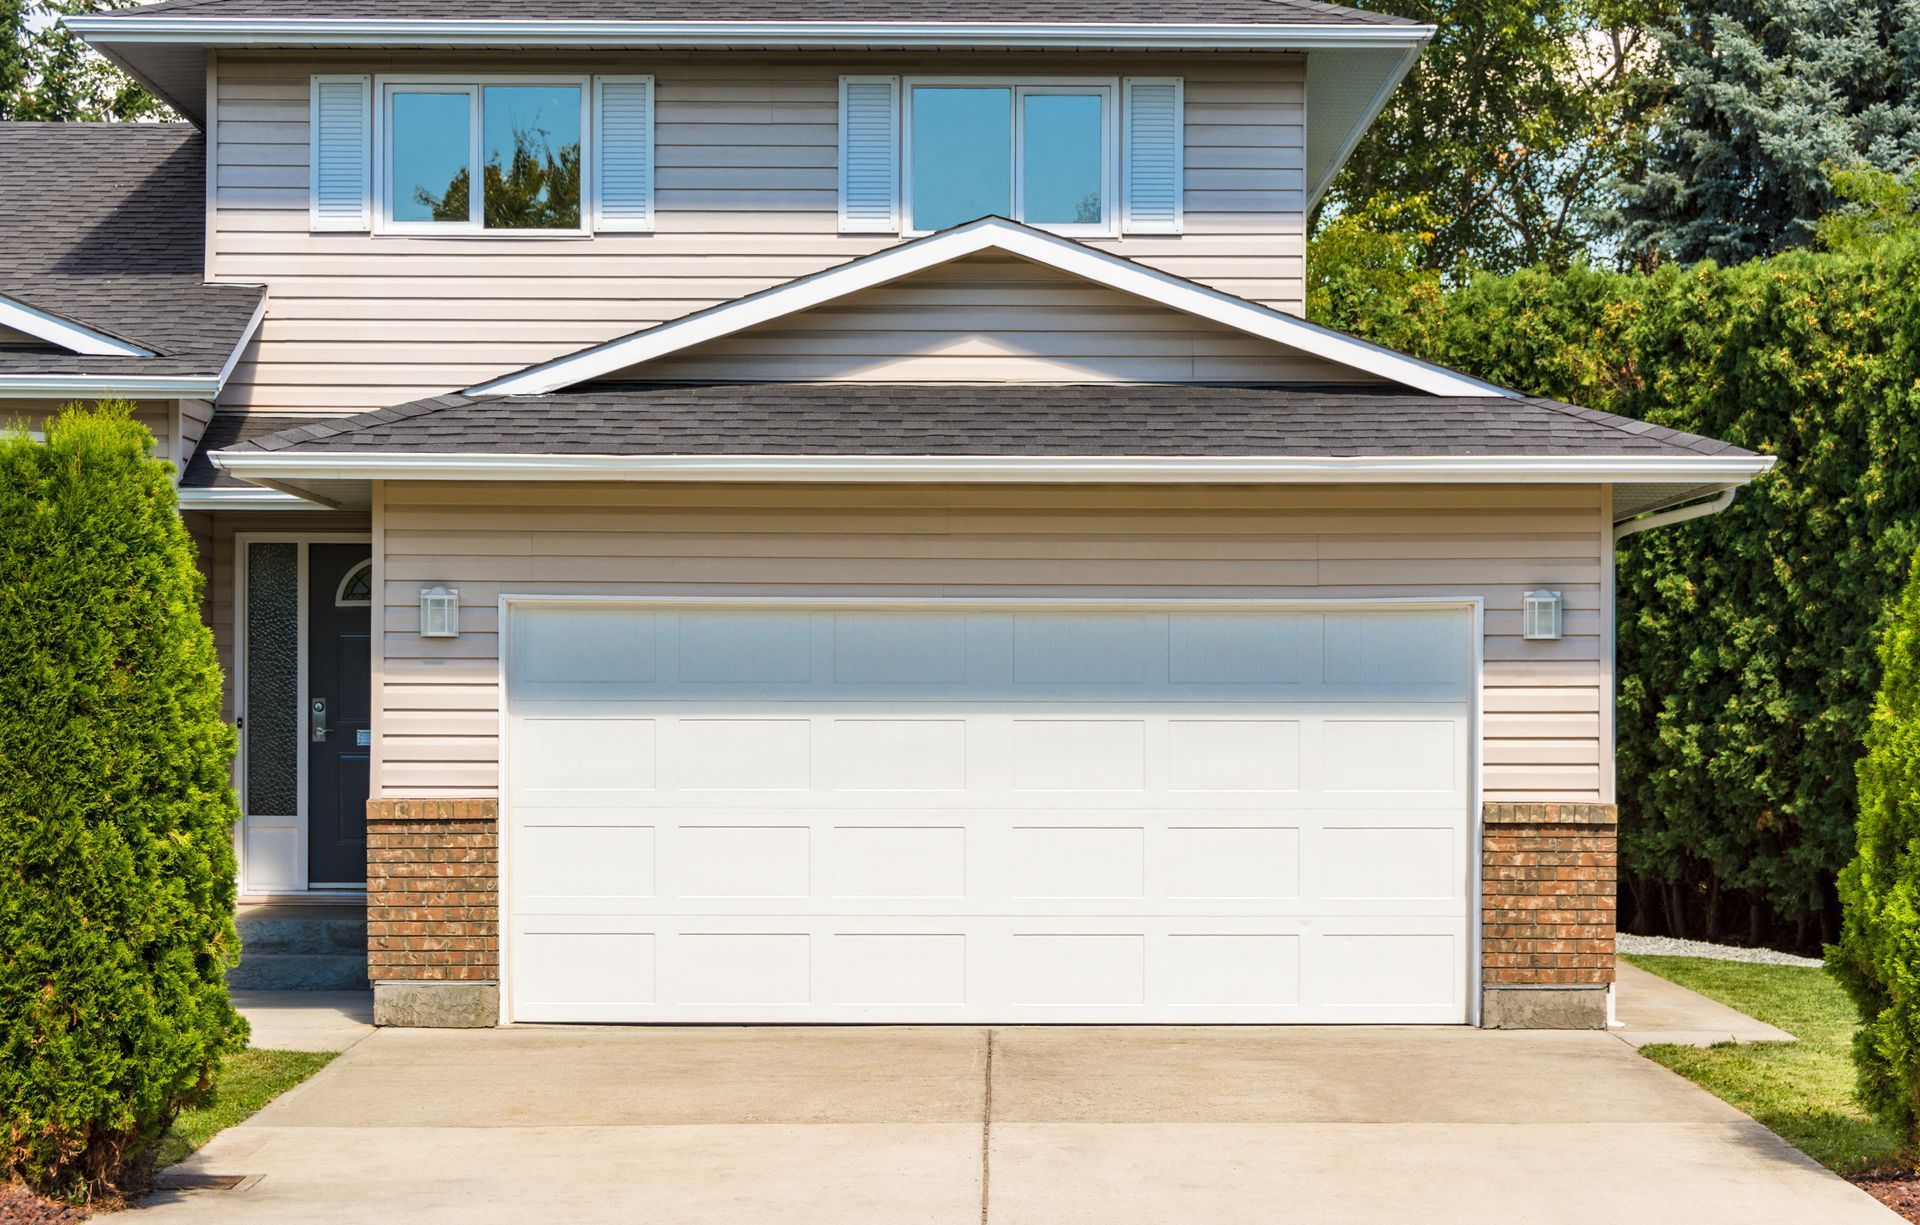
116	810
1878	957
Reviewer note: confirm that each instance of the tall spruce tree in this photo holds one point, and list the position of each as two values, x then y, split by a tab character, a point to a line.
1766	99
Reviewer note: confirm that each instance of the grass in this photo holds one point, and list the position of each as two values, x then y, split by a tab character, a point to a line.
247	1080
1802	1091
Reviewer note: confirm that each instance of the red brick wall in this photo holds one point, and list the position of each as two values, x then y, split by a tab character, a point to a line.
1548	890
433	901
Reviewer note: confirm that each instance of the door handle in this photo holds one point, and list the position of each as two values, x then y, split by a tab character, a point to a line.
319	719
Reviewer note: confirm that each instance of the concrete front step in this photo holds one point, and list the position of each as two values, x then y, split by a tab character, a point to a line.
299	972
301	946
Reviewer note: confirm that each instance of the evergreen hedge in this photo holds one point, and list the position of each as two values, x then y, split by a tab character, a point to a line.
116	810
1878	957
1746	640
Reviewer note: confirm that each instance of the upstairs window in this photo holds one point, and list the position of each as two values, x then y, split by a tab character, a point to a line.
445	155
490	157
1090	157
1042	154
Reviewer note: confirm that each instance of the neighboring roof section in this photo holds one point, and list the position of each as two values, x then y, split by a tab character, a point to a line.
232	430
1097	419
102	231
627	356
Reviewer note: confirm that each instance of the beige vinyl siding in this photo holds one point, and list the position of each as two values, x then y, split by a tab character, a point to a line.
995	318
746	160
159	416
1544	733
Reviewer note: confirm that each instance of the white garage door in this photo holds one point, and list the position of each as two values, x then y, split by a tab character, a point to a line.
798	812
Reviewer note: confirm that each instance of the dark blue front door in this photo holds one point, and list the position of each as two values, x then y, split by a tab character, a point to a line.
339	711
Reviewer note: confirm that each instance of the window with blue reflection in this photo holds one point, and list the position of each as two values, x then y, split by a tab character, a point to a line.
1061	164
432	142
532	150
962	155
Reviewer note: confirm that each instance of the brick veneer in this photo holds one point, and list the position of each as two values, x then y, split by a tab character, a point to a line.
433	905
1547	900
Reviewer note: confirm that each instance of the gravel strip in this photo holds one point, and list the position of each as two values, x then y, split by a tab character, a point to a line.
1670	946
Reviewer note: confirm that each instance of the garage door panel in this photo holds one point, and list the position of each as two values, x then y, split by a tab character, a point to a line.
1016	969
768	814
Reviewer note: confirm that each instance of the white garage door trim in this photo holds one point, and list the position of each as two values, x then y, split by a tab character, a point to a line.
1472	606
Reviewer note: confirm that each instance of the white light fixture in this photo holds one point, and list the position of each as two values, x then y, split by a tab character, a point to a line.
1540	619
439	612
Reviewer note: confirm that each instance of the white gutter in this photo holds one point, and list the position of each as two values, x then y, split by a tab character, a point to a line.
249	498
18	386
361	32
1679	514
298	466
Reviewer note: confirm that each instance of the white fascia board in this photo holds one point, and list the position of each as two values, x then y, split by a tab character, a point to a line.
131	28
992	233
251	498
246	338
298	466
73	337
22	386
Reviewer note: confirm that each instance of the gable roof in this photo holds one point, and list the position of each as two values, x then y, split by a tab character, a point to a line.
629	353
102	229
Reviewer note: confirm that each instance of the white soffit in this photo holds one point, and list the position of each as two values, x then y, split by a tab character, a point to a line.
991	233
1347	88
64	333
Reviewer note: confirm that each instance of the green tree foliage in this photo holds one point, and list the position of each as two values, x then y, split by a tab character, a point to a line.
47	74
537	189
116	810
1746	662
1516	118
1878	956
1765	97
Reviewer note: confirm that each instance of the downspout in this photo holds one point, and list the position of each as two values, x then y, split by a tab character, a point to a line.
1679	514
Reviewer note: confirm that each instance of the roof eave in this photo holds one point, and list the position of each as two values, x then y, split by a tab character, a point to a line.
129	28
294	466
134	384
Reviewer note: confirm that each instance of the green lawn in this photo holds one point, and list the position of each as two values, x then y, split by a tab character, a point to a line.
1801	1090
248	1080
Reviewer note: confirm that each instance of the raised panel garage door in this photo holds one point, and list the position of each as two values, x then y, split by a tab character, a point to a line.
1008	813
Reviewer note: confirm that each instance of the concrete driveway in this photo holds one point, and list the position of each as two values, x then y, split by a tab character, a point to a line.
1034	1126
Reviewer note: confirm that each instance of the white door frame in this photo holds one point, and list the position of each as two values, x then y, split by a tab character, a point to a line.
1475	607
297	824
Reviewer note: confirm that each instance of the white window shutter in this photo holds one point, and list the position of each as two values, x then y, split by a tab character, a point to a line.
870	155
341	153
1154	174
623	153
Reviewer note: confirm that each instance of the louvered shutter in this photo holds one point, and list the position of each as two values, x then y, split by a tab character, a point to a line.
340	148
1153	173
623	153
870	155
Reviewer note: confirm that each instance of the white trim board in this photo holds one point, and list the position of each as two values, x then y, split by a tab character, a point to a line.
988	234
134	28
65	333
296	466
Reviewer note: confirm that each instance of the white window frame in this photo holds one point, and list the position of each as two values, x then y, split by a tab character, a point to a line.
1023	87
474	86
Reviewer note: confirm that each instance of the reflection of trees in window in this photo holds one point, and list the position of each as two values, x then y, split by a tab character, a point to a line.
1086	210
537	189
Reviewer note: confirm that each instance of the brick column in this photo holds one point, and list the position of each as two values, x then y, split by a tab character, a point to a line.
1547	911
433	912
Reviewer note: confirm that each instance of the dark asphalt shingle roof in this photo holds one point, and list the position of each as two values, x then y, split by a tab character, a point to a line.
1103	419
104	226
232	429
1222	12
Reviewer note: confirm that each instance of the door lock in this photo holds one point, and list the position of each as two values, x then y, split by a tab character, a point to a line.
319	719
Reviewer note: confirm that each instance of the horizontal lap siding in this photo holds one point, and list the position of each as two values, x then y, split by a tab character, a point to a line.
1546	733
747	152
995	318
